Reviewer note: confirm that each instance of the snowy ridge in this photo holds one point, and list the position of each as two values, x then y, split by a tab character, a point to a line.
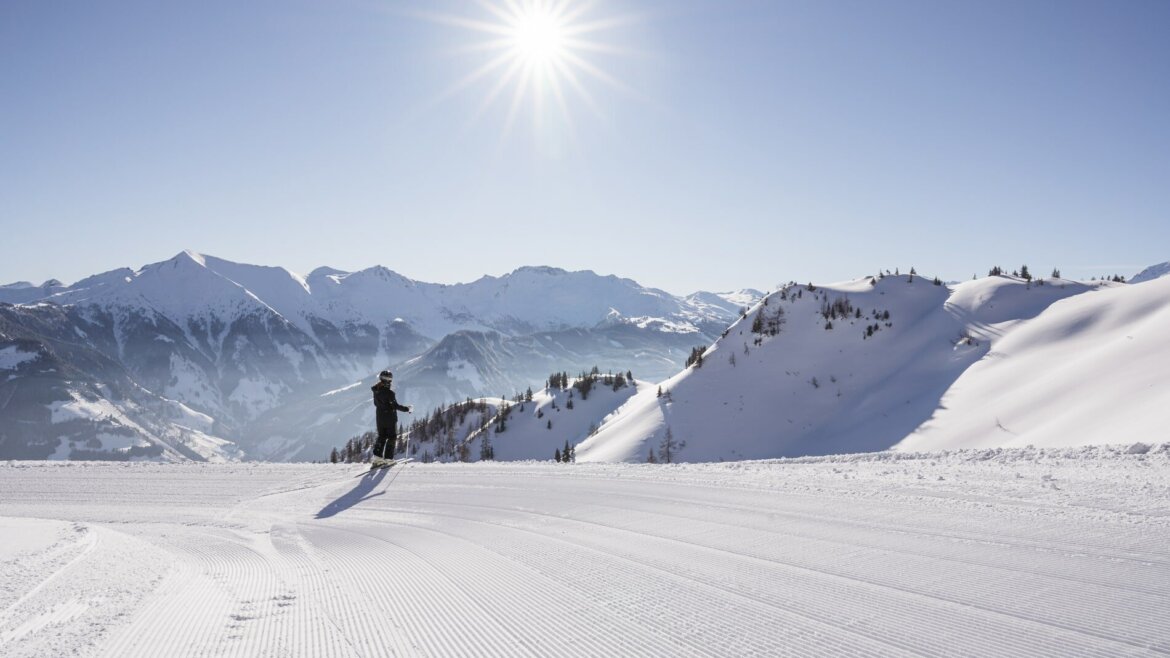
526	300
881	368
1152	272
1090	369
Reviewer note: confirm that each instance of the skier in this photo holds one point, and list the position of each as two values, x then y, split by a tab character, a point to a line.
386	404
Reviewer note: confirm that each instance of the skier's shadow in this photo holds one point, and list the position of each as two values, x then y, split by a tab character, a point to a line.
363	491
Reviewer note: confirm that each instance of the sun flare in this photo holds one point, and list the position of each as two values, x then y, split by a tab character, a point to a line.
538	55
538	36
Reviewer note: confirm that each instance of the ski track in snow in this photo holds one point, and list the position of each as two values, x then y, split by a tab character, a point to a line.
1031	552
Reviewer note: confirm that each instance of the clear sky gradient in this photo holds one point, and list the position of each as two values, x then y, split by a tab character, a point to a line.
726	145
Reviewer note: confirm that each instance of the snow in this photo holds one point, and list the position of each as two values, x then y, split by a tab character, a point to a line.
527	434
1152	272
189	382
951	368
341	390
195	286
81	409
989	552
255	394
1086	370
466	371
12	357
188	417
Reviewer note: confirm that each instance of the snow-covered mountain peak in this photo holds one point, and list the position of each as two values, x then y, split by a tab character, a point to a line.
324	272
542	270
379	273
193	256
121	275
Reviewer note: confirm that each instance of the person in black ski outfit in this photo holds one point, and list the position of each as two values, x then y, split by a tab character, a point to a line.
386	404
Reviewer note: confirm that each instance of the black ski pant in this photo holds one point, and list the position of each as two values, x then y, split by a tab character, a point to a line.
387	436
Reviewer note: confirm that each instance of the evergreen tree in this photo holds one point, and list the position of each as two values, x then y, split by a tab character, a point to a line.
668	446
557	455
334	457
650	458
696	357
1056	273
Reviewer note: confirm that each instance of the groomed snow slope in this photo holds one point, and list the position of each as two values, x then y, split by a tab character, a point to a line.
1090	369
991	553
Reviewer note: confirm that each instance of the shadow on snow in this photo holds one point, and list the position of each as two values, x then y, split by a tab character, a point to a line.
363	491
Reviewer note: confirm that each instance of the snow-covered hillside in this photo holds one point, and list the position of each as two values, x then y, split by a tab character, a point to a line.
1152	272
1091	369
540	427
997	553
531	425
850	367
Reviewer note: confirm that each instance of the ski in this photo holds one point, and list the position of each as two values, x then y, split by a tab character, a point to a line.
387	464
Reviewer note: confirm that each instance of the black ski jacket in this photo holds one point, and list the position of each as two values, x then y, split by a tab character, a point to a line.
387	404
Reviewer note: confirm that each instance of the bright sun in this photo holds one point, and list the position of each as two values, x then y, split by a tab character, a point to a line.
538	36
539	53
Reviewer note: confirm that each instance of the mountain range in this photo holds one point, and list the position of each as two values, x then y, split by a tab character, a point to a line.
200	357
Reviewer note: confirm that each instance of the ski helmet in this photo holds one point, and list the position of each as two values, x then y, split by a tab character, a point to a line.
385	376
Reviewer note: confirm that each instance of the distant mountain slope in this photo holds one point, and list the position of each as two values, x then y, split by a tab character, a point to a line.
1152	272
23	292
853	367
60	399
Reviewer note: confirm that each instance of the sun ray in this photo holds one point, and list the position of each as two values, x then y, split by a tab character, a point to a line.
475	75
603	48
518	98
597	73
575	83
498	88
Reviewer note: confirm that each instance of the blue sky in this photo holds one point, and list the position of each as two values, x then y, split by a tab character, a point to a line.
745	144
